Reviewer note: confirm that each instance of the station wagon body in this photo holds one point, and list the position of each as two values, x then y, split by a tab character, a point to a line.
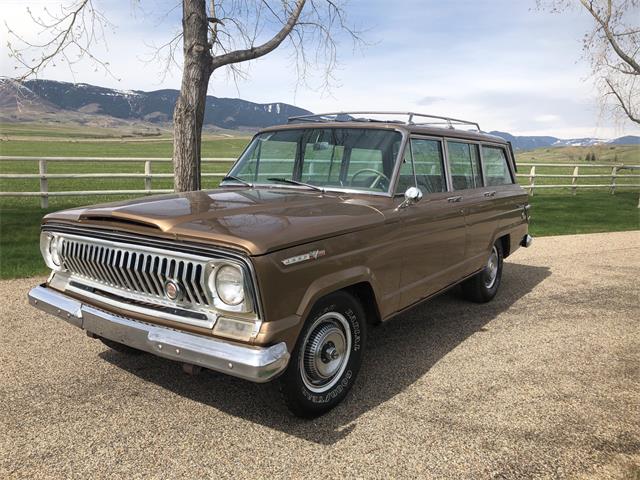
323	228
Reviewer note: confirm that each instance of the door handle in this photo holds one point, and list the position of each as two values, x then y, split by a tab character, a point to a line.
490	194
454	199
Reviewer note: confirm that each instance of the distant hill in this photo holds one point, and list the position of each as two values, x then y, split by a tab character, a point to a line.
57	102
531	142
627	140
50	96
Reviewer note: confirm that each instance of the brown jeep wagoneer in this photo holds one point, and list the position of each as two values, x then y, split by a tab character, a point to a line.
323	228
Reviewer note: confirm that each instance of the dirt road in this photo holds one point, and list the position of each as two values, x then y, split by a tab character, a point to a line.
542	382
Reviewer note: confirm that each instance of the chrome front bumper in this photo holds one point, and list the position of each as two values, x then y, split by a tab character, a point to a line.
257	364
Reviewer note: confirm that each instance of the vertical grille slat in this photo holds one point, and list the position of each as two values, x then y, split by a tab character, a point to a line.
184	267
113	258
141	280
144	278
140	272
148	270
82	259
104	253
93	249
193	283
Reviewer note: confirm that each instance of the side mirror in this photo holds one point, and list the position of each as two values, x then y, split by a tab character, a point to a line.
411	195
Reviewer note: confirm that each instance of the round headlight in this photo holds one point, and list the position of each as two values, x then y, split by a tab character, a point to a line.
230	285
54	250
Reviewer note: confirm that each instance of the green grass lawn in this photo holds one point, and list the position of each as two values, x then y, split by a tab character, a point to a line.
228	147
553	212
587	212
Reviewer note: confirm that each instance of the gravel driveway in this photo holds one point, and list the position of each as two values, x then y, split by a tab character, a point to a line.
542	382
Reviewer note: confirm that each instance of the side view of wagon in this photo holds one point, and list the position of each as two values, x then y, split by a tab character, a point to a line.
323	228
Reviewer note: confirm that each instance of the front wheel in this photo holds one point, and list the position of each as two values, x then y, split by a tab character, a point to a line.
483	286
327	356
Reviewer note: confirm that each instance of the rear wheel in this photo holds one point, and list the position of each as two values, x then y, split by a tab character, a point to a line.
483	286
327	357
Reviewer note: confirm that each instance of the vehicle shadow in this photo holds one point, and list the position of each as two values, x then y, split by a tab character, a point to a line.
398	353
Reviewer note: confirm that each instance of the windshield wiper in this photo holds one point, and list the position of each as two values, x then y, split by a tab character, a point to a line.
237	179
295	182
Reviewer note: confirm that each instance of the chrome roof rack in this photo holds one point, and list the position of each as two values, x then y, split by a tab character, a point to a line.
361	117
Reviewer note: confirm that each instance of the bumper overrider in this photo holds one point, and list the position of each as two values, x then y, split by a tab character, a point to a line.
257	364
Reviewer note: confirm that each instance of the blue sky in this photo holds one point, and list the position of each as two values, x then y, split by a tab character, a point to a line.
501	63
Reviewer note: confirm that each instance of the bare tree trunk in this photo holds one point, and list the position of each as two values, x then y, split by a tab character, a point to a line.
188	115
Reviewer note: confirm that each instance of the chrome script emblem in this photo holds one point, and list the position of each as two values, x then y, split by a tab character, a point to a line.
171	290
312	255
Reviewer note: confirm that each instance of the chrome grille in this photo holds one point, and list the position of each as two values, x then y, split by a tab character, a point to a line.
136	270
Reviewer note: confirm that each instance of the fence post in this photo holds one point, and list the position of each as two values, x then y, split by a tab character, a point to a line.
44	183
147	173
574	181
614	174
532	180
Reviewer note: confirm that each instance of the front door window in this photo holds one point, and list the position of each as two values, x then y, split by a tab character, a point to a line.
427	165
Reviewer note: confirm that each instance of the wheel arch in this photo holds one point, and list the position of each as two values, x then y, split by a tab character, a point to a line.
505	241
504	238
358	281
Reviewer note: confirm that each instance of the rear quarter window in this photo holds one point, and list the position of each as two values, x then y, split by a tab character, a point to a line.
495	166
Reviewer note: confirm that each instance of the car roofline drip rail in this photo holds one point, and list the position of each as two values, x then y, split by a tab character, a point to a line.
357	116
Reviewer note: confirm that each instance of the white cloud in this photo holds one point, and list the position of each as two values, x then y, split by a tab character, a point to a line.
499	62
547	118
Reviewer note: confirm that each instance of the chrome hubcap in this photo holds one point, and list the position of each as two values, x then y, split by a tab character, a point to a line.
491	270
325	352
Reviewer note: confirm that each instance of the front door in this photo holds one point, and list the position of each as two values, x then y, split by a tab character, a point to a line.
433	229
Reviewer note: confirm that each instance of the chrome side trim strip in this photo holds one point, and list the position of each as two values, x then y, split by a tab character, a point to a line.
256	364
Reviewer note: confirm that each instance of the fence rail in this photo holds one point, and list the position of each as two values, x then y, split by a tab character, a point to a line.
617	172
44	193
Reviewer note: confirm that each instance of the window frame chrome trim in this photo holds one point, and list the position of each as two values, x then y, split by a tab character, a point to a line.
507	156
469	142
445	166
388	193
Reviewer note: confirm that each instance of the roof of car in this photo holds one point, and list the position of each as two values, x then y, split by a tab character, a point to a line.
410	122
478	136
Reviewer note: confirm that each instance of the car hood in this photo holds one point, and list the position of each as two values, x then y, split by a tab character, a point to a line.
257	221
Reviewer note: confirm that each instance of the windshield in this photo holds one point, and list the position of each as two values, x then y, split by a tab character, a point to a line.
338	158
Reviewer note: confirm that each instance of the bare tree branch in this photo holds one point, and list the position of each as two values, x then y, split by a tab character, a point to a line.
606	27
267	47
72	34
612	48
623	104
214	34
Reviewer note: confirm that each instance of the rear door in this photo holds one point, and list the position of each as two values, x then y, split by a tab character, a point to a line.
433	228
476	201
505	195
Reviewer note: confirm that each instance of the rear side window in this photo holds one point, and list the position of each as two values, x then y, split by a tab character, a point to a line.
464	163
427	162
495	166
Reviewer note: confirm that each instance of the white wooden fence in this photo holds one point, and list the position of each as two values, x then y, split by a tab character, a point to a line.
44	193
617	172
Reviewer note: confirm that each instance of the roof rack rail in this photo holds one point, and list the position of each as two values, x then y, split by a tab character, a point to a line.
357	117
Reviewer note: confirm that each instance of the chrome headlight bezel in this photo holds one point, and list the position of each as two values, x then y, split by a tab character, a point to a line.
50	248
245	305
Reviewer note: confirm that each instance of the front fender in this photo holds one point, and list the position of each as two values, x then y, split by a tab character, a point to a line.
335	281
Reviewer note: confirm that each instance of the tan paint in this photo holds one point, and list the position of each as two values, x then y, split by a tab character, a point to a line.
405	255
